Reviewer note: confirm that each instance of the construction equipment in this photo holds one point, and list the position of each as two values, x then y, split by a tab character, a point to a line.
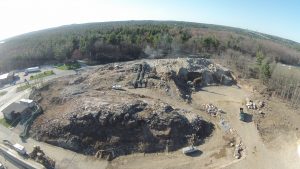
106	154
39	156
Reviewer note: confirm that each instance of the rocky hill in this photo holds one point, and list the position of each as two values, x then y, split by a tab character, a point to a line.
99	111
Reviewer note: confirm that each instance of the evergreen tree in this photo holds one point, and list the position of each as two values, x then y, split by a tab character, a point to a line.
265	72
259	58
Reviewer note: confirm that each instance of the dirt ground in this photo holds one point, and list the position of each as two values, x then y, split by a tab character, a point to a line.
276	150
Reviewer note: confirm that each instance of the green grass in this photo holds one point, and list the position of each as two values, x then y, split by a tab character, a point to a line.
23	87
72	66
3	93
38	83
4	123
41	75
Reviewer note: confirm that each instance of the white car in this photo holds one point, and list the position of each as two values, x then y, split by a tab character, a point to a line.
117	87
190	149
1	166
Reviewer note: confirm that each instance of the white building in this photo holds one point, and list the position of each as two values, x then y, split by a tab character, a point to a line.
28	102
7	78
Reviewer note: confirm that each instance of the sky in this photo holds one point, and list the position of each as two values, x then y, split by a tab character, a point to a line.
275	17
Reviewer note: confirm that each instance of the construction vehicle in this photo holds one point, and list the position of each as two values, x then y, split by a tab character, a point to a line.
106	154
39	156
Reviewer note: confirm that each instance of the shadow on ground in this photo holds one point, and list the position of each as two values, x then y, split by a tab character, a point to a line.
195	154
248	118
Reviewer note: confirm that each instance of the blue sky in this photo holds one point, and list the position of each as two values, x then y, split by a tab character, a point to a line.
276	17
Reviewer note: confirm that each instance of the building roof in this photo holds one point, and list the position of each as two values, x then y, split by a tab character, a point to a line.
15	107
33	68
4	76
26	101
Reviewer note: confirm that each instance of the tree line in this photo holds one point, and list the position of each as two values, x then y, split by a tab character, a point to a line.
122	41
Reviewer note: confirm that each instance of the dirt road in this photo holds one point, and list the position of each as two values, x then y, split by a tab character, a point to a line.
230	100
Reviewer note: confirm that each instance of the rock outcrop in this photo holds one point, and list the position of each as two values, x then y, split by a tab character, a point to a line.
135	126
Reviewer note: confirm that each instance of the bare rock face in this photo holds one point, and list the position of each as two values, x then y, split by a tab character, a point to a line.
209	72
134	126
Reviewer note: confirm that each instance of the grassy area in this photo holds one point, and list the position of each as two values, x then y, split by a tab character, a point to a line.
4	123
71	66
41	75
3	93
38	83
23	87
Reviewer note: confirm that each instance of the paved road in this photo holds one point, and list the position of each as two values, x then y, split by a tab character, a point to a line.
8	163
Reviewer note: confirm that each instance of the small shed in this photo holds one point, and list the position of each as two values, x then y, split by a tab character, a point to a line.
7	78
16	111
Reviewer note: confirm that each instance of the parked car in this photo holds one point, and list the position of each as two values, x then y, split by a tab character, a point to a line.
189	150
